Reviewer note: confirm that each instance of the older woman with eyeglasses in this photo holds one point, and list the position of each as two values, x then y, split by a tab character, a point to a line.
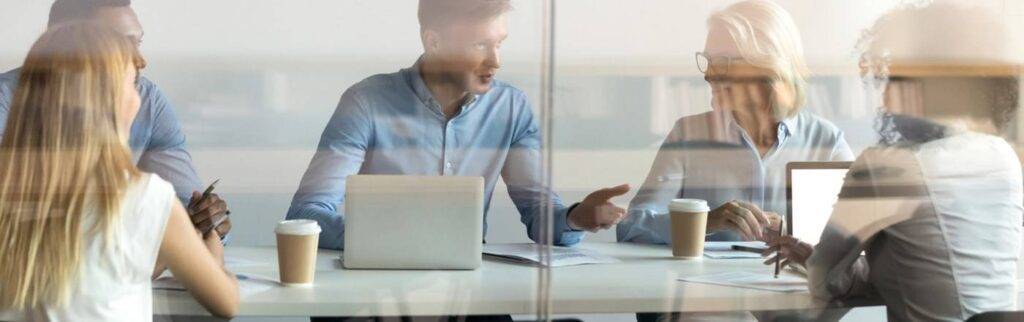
735	156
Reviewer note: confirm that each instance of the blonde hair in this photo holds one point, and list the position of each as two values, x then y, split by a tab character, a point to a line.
63	156
768	38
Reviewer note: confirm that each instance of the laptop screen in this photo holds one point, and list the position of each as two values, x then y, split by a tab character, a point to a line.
813	190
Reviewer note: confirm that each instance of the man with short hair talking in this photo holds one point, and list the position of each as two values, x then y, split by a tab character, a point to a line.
446	115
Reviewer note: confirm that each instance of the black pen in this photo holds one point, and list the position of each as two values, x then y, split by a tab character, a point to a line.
778	266
749	249
206	193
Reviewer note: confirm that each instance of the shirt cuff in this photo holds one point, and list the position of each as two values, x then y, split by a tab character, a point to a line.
568	226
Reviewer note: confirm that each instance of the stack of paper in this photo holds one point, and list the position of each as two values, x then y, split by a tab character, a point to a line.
247	284
723	250
753	280
560	256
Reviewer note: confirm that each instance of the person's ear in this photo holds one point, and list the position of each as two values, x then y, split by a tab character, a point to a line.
431	41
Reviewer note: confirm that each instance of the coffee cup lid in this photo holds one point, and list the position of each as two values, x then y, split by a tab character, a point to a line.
297	227
688	205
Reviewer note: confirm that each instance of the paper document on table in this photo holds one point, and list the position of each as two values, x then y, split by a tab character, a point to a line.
753	280
730	254
247	284
232	263
727	245
560	256
723	250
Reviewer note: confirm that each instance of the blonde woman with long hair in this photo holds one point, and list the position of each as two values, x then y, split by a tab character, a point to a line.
82	228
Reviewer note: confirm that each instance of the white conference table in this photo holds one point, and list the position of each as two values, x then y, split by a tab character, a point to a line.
645	281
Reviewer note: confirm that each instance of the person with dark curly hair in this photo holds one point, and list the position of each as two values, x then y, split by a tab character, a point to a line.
936	206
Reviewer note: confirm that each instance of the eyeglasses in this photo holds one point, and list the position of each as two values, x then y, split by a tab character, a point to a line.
720	63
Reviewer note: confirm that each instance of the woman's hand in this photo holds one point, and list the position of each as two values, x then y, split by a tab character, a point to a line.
789	250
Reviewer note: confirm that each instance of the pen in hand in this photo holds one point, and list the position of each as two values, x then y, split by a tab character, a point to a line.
209	189
741	248
206	194
778	259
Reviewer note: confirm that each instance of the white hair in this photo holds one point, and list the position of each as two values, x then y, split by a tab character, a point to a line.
767	37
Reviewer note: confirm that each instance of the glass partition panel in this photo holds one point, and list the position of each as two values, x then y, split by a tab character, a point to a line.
603	160
778	116
276	105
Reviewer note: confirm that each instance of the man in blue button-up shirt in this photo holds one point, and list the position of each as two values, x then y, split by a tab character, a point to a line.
156	139
446	115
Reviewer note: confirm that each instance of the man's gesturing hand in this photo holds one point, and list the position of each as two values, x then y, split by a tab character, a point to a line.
597	212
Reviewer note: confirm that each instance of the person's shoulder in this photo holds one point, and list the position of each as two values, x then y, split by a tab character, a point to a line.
885	155
500	87
972	149
505	95
812	123
966	140
696	119
9	79
10	76
816	130
376	88
152	97
148	197
147	87
885	166
153	188
378	83
700	124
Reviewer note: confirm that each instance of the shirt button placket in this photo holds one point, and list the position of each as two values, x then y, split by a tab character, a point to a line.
449	165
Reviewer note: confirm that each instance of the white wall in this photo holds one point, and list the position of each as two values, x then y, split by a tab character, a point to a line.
608	29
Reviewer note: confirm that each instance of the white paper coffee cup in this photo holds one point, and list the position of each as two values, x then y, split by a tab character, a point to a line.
689	218
296	251
297	227
688	205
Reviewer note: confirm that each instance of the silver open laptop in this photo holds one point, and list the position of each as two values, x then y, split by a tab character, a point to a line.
413	222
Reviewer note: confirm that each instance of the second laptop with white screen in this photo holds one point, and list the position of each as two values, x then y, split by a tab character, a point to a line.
812	188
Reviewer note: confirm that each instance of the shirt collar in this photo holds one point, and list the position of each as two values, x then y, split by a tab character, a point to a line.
419	87
788	125
785	129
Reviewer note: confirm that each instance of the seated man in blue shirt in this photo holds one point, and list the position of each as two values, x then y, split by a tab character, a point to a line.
446	115
156	139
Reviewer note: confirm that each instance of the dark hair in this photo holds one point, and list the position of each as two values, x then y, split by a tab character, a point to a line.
1000	101
67	10
439	13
